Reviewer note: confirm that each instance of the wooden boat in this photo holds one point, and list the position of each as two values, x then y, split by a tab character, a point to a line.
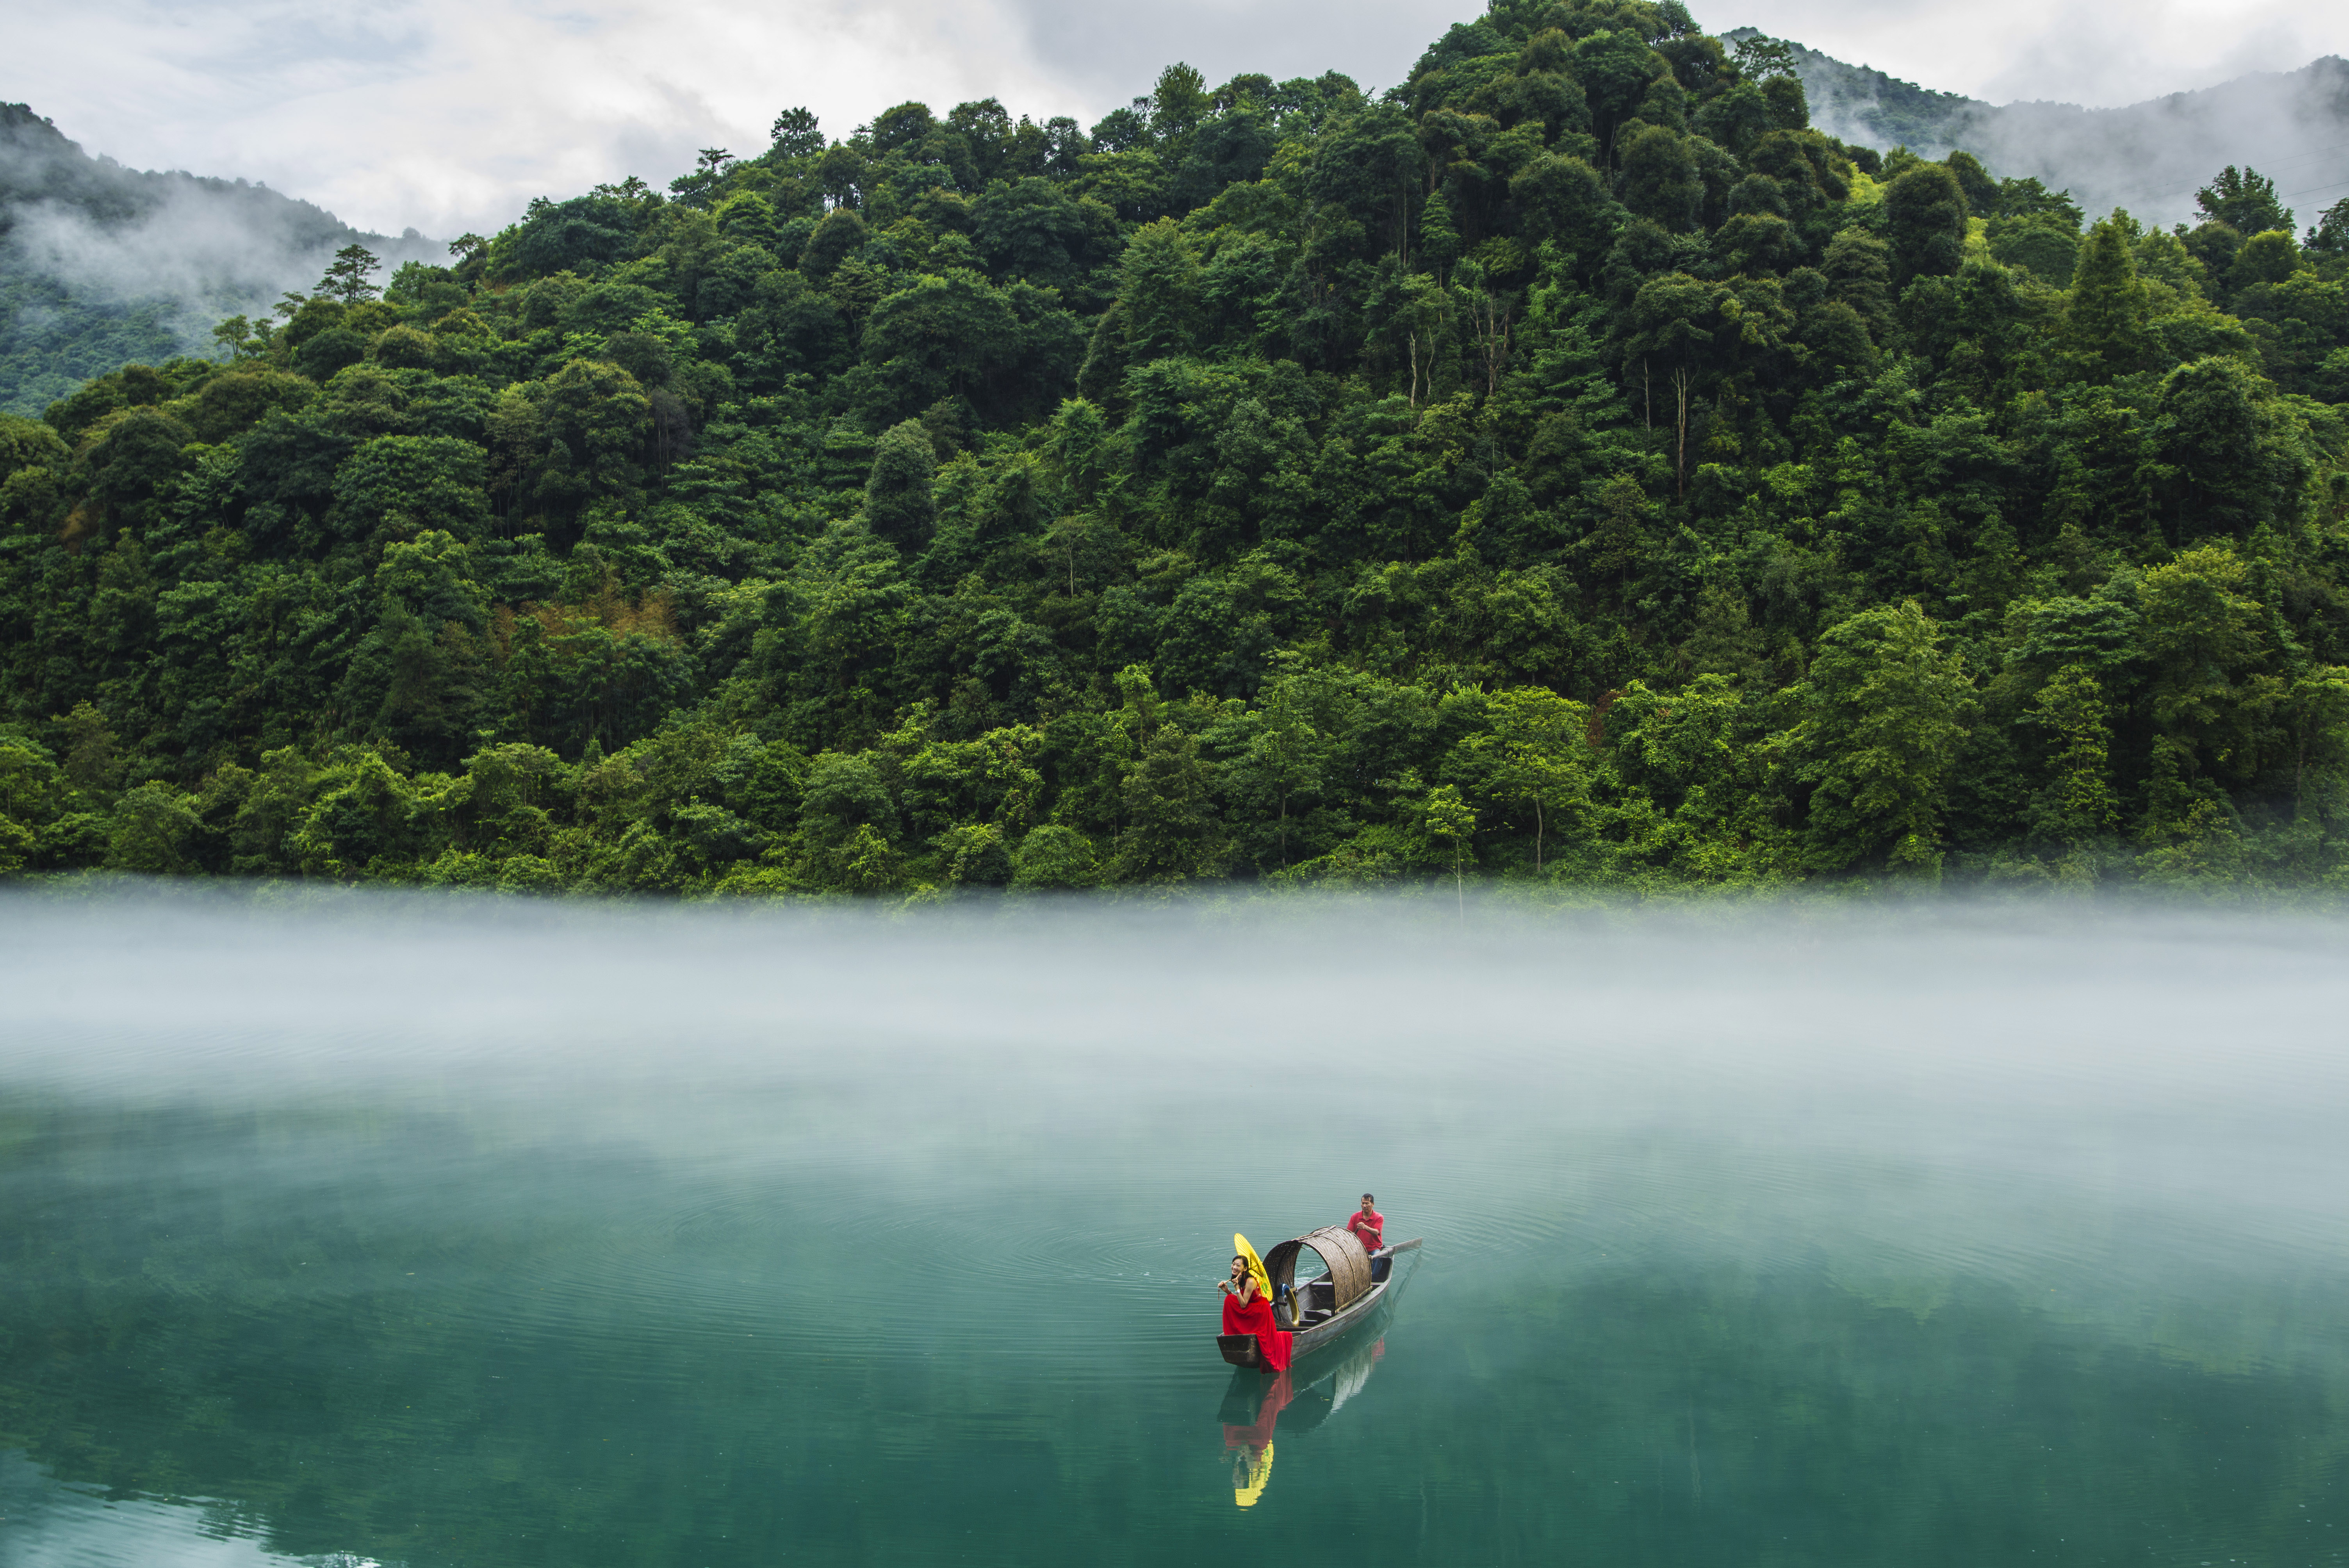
1319	1311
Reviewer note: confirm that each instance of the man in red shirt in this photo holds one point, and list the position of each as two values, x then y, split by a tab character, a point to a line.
1369	1226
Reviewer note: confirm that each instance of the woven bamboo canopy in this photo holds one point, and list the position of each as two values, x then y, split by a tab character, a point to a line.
1350	1266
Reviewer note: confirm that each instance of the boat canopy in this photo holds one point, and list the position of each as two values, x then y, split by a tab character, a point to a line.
1348	1264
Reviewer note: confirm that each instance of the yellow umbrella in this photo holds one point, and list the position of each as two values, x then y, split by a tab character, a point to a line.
1240	1249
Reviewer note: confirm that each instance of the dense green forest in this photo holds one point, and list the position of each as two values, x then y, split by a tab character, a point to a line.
1565	466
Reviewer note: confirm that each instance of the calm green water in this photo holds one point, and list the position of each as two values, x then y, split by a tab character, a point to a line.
493	1236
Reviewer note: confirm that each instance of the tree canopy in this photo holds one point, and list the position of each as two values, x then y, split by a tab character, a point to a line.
1568	466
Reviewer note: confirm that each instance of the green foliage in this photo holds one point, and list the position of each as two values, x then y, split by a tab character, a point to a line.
2244	200
2330	234
2108	307
1884	712
795	134
346	275
1565	467
217	247
1536	758
1449	820
1925	214
2076	807
898	503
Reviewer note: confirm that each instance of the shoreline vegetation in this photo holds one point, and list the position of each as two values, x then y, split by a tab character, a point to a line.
1568	474
1490	904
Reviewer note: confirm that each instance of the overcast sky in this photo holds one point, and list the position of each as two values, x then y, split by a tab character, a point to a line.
448	115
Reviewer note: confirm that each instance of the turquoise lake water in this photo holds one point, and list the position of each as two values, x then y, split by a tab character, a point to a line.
365	1231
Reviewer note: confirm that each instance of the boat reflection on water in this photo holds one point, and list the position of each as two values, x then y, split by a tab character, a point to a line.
1253	1407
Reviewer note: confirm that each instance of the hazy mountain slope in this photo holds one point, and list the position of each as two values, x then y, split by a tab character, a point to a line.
2147	157
101	265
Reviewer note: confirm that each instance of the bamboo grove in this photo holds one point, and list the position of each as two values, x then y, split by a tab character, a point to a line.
1566	467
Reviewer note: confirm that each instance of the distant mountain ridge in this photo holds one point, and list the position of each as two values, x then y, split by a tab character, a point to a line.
101	264
39	164
2148	157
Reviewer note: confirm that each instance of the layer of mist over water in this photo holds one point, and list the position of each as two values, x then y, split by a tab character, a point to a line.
452	1232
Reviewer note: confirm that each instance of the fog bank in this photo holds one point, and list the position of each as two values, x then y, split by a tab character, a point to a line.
2148	158
86	243
1944	1032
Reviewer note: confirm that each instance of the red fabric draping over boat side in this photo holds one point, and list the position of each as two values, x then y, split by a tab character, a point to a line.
1257	1318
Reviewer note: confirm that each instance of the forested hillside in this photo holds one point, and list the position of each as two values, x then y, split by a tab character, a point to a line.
1568	466
101	265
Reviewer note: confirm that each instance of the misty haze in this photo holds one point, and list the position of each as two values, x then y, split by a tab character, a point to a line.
596	1234
100	264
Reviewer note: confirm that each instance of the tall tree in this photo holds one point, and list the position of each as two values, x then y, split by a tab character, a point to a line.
2078	807
2107	311
1884	710
796	134
1536	755
899	503
2244	200
1925	213
346	275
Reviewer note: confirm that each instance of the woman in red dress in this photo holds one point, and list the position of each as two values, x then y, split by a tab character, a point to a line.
1246	1311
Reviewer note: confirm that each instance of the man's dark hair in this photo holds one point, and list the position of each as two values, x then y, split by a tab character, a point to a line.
1368	1199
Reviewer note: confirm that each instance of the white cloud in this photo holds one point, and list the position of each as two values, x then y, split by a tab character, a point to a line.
447	114
450	114
2087	52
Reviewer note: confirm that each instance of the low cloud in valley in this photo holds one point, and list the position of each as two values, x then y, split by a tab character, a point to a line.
446	115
